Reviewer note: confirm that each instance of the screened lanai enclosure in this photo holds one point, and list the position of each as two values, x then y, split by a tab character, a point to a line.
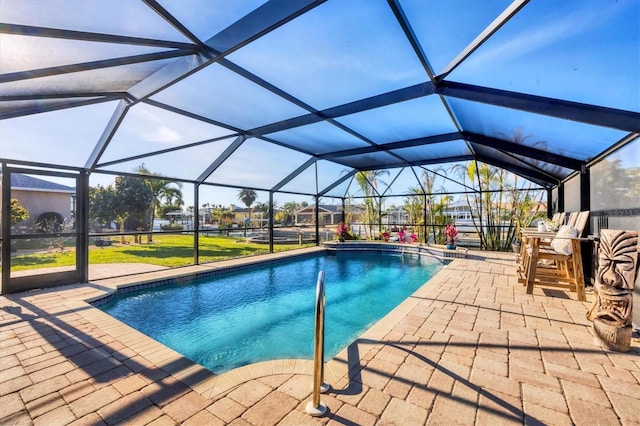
165	133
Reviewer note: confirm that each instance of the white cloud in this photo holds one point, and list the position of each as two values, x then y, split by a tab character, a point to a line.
163	134
552	31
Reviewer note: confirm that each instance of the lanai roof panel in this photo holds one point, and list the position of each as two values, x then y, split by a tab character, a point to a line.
584	51
326	56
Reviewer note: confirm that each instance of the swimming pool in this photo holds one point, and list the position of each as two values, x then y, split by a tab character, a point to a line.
267	312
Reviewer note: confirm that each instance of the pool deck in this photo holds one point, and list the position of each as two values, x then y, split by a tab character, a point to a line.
468	348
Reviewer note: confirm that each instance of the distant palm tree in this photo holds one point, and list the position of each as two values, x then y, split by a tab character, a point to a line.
413	205
290	208
434	207
247	196
368	182
265	210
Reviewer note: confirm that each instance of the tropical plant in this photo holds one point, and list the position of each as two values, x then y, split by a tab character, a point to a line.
172	201
343	232
435	206
452	233
414	206
503	207
368	183
440	218
525	208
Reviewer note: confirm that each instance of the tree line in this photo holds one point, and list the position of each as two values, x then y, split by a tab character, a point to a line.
133	203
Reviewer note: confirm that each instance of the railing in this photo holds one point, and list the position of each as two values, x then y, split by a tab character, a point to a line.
315	407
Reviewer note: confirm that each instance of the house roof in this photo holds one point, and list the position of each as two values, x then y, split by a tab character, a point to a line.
330	208
242	209
26	182
459	203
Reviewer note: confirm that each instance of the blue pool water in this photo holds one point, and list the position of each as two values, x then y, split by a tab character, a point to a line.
264	313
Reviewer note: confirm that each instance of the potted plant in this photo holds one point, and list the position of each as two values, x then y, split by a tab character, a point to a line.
451	233
385	235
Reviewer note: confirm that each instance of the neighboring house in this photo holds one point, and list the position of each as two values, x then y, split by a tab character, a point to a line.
459	211
395	216
40	196
328	214
241	214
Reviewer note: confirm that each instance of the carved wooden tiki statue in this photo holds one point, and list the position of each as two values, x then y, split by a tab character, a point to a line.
611	311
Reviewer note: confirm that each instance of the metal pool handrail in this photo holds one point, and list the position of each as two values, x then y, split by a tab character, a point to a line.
315	407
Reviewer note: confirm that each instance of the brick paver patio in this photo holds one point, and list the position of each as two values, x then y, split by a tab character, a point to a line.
468	347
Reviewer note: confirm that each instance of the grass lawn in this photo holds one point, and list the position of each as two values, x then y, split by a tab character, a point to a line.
165	250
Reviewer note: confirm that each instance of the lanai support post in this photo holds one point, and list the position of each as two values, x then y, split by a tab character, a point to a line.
561	197
196	224
82	227
585	204
317	214
424	218
379	216
5	219
270	221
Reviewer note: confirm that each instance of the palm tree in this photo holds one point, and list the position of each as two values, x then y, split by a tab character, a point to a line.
290	208
434	207
173	198
492	184
368	182
265	210
413	206
247	196
161	188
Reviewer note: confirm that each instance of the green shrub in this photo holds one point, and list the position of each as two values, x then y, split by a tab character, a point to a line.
172	227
